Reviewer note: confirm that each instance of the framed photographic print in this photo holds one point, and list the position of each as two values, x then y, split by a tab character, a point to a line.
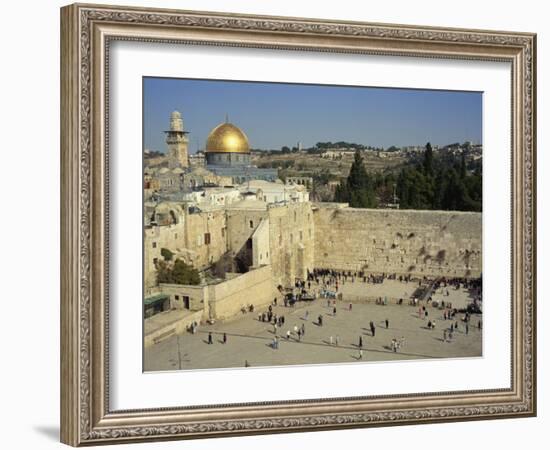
276	224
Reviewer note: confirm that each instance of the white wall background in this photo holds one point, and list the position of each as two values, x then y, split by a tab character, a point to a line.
29	226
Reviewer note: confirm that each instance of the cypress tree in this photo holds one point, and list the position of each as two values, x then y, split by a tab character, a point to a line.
428	159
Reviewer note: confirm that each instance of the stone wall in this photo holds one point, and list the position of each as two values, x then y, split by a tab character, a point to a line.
241	225
198	239
177	292
291	236
260	245
432	243
225	299
177	327
254	287
286	240
156	238
206	237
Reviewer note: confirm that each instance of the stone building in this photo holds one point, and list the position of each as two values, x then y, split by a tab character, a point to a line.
302	181
252	232
197	159
276	192
177	142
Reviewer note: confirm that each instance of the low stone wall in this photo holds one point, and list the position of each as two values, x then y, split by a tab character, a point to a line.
431	243
255	287
225	299
177	327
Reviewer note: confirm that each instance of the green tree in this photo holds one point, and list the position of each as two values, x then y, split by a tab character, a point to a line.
164	273
183	273
358	178
428	159
462	166
358	189
179	273
166	254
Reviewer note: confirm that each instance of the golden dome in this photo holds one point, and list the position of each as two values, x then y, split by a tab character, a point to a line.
227	138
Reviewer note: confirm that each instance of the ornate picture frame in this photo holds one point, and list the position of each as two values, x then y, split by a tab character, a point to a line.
87	31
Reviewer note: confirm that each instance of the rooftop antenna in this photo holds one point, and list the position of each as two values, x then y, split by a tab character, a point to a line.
226	118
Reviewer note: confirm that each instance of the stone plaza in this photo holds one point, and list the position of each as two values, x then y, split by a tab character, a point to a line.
249	341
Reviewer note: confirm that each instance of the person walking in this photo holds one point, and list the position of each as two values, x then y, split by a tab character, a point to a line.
225	338
288	335
350	306
334	311
210	338
303	329
387	324
360	341
372	328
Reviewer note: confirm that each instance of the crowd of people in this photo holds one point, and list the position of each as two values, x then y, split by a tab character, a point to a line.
296	332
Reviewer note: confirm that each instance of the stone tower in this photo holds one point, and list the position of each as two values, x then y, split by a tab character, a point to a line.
177	142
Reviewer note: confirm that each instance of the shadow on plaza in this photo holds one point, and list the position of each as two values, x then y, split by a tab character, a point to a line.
323	344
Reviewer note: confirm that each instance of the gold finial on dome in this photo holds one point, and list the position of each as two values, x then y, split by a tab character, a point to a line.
227	138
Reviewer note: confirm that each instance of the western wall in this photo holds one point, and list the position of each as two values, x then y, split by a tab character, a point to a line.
431	243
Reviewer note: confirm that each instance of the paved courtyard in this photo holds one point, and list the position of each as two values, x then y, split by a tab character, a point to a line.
249	340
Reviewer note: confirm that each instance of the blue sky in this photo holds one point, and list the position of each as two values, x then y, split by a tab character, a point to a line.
277	114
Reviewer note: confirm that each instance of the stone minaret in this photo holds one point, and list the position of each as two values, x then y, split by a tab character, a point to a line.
177	141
